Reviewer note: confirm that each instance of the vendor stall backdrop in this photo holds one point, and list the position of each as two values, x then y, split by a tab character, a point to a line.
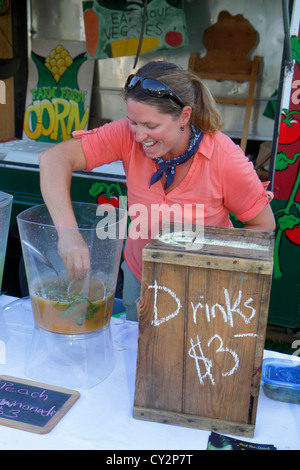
64	20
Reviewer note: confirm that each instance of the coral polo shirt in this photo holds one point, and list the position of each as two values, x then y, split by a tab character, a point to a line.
221	178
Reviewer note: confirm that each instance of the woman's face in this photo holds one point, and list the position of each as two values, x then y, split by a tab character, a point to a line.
159	134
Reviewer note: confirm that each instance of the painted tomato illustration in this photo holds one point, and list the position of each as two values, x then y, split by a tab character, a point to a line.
289	129
104	199
173	38
293	235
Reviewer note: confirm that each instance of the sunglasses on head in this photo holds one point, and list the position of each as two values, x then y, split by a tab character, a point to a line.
152	87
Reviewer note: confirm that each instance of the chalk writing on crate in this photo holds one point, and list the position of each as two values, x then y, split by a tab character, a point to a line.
196	350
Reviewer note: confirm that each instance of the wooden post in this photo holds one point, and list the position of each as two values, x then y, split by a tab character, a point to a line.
7	112
202	323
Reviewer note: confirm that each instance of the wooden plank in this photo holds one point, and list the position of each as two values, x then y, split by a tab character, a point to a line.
265	289
224	76
240	243
7	115
193	421
254	73
215	262
160	352
227	100
223	248
220	368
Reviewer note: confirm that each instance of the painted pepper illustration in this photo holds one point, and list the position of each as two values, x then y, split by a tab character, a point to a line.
110	194
106	193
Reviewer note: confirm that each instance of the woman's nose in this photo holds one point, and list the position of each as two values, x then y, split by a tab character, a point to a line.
140	134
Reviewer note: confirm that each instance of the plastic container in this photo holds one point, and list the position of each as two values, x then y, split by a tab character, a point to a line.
281	380
5	213
71	344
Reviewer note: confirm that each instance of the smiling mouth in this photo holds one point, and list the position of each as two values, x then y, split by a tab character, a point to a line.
148	145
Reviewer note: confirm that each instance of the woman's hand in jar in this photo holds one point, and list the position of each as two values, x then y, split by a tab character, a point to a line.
75	254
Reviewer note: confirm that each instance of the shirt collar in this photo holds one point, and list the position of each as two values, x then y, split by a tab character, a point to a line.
206	146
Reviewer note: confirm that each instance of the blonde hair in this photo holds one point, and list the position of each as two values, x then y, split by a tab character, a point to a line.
188	86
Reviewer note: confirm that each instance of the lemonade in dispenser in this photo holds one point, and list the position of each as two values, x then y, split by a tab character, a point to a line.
72	316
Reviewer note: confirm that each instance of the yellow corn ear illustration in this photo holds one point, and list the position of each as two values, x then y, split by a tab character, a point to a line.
58	61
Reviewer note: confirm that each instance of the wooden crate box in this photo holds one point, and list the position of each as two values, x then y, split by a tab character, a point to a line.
202	323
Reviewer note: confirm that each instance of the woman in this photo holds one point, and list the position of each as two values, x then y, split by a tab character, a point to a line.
173	154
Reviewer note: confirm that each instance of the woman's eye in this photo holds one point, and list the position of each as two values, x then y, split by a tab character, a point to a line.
146	125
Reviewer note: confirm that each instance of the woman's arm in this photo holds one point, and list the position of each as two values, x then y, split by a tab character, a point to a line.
264	221
56	167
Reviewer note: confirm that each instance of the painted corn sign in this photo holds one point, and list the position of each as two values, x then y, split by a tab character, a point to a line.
58	92
115	28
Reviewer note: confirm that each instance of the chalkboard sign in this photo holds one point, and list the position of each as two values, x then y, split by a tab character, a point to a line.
33	406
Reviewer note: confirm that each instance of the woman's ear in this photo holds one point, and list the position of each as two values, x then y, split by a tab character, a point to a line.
185	115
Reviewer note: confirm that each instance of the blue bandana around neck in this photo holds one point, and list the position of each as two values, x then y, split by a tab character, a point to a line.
168	166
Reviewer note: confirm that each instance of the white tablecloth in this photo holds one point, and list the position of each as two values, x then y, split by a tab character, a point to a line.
102	417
